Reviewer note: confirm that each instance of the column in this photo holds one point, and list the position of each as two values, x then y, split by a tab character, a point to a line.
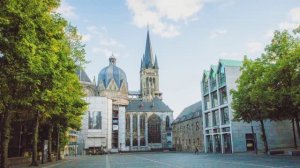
131	130
138	127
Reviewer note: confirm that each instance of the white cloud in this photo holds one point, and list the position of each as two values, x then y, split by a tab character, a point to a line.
67	10
255	47
288	25
293	20
294	14
101	43
164	15
216	33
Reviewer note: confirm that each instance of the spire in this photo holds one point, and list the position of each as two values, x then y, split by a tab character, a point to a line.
142	65
148	60
112	59
155	63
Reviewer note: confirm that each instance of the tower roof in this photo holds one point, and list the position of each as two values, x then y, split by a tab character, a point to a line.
148	58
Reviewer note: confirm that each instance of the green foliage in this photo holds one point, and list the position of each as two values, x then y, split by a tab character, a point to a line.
269	87
39	55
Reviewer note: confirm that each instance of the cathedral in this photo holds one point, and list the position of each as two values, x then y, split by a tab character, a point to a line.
121	120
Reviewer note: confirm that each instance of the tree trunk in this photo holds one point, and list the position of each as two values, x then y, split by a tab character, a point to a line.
34	161
50	142
264	136
58	146
5	137
294	134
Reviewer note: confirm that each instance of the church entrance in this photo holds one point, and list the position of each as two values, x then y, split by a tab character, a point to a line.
154	133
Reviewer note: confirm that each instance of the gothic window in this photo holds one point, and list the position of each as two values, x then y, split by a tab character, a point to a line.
134	122
154	133
167	122
95	120
127	130
197	125
142	129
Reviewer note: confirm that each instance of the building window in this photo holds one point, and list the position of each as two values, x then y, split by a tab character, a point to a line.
214	99
134	123
167	122
223	95
154	133
213	82
198	141
207	120
205	85
95	120
142	129
222	79
206	102
215	115
197	125
225	115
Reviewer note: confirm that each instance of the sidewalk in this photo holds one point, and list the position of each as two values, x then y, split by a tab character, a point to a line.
55	163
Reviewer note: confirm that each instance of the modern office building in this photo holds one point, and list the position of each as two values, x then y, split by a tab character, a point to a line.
221	133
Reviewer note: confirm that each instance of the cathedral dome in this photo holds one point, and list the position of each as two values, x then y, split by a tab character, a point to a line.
112	73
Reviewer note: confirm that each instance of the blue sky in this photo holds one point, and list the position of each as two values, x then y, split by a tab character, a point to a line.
187	36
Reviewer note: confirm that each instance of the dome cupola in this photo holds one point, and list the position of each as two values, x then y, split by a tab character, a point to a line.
112	81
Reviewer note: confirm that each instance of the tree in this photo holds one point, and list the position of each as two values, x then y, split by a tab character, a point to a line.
37	68
248	100
283	59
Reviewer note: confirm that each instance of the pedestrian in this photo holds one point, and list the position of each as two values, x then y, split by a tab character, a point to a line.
196	151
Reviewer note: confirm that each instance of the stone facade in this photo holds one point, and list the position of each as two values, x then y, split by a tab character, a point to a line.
221	133
187	130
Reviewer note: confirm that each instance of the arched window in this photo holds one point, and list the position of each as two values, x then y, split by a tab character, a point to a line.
142	129
167	122
154	133
127	130
135	134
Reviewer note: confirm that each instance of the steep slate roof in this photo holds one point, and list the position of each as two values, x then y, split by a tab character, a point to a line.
82	75
190	112
156	105
227	62
148	60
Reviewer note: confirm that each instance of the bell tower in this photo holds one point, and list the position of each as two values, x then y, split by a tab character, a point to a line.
149	76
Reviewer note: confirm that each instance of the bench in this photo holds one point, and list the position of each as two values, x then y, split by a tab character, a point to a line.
276	152
294	153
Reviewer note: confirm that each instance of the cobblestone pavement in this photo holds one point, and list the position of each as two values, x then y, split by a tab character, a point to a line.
179	160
